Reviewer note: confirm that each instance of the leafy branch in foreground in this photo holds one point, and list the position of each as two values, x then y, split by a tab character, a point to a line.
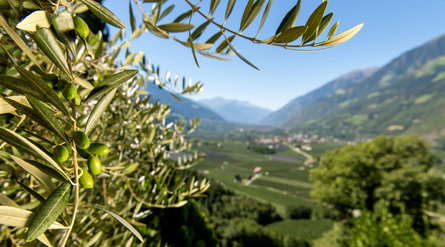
219	43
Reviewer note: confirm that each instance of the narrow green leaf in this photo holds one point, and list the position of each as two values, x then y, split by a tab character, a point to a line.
166	12
34	193
112	82
198	46
98	110
44	91
333	30
132	19
239	55
6	201
27	110
19	86
49	211
314	21
48	117
323	25
290	34
183	16
19	41
17	217
214	38
343	37
21	142
176	97
290	18
213	5
125	223
265	14
47	170
246	13
176	27
47	42
64	25
44	179
103	13
36	19
229	8
253	13
224	44
154	30
199	30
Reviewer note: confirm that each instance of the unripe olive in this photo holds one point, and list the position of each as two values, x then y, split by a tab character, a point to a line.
77	100
81	27
94	165
61	154
86	180
81	140
98	149
58	93
69	91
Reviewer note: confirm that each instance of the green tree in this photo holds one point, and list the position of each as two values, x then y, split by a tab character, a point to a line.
394	172
58	81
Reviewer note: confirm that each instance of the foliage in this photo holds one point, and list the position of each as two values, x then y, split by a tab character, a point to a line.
299	212
387	171
58	78
262	149
185	226
380	229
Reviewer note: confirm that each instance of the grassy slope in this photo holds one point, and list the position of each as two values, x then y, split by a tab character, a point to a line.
286	183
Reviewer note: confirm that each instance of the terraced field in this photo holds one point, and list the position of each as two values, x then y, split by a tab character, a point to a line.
284	180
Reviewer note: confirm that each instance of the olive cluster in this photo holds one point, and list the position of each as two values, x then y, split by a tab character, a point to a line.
87	150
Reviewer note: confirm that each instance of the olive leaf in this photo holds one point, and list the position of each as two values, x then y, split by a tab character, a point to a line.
125	223
103	13
19	41
112	82
314	21
47	116
229	8
21	142
49	211
34	193
43	90
290	18
48	43
34	20
6	201
239	55
290	34
19	86
99	109
343	37
44	179
17	217
176	27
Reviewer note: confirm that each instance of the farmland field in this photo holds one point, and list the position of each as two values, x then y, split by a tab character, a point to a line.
283	180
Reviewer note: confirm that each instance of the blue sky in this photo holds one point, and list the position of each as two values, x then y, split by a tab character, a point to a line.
391	28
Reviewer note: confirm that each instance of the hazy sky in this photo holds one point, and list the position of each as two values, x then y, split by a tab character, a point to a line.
391	28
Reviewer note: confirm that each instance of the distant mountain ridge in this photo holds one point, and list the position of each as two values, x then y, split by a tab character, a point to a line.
236	111
403	96
187	109
296	105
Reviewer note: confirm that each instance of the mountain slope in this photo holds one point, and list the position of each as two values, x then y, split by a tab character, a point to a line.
295	106
187	109
236	111
402	97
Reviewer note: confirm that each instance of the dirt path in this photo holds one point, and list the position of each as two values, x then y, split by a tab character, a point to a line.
255	177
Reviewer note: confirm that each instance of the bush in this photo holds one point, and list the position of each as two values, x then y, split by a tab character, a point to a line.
299	212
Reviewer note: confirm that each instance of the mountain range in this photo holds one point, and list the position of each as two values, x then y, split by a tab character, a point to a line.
236	111
404	96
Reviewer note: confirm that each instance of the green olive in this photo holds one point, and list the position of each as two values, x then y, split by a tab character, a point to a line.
81	27
58	93
77	100
69	91
81	140
98	149
94	165
86	180
61	154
